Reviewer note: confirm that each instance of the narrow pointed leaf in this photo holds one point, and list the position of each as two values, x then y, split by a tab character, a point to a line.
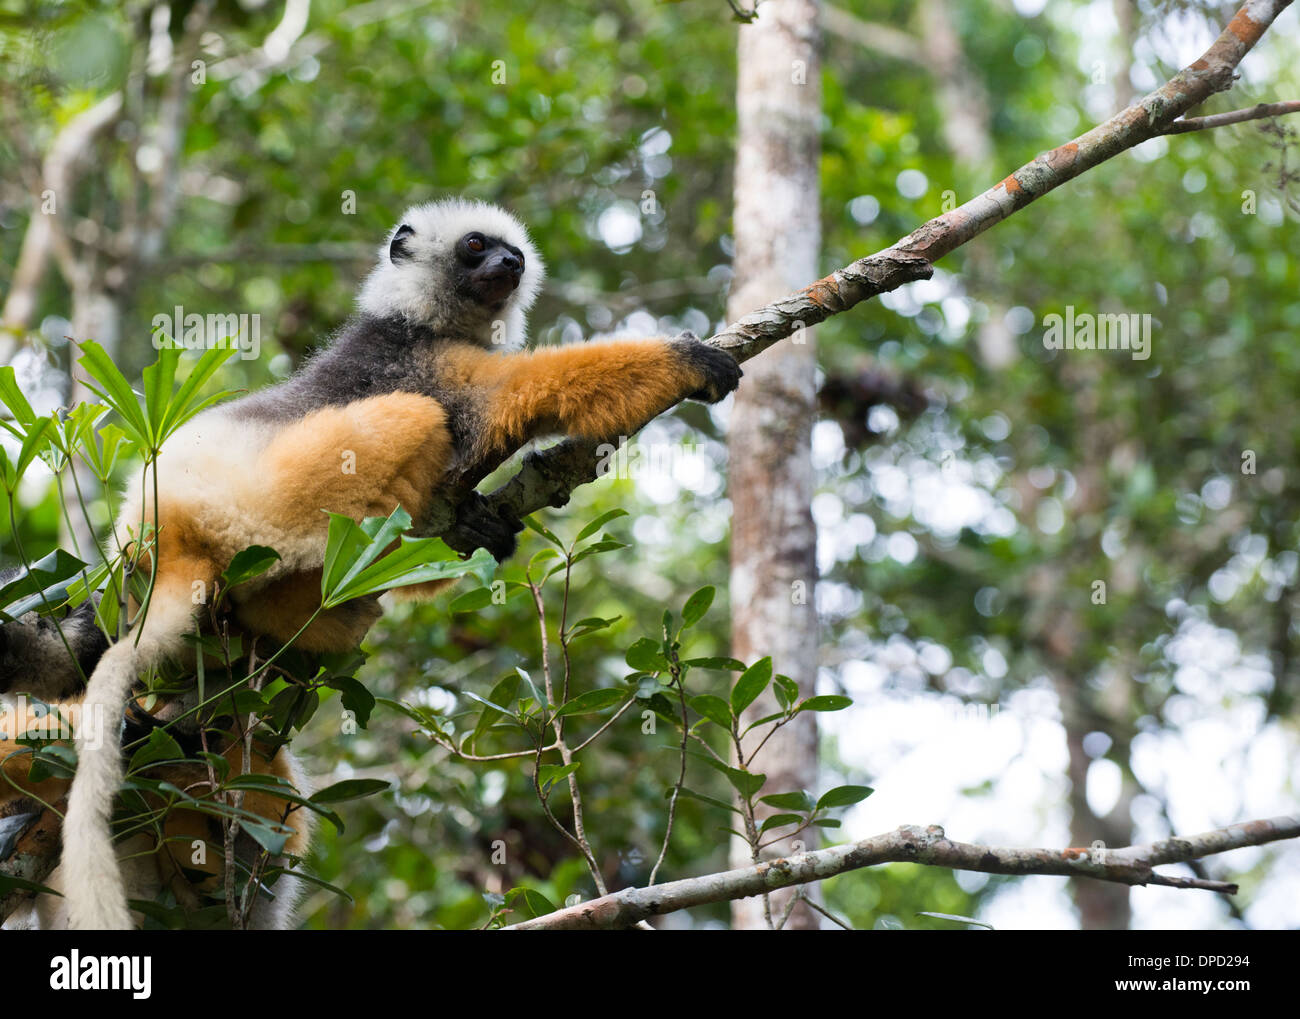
598	523
752	682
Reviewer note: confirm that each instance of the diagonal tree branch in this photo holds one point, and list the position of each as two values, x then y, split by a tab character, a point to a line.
548	477
930	847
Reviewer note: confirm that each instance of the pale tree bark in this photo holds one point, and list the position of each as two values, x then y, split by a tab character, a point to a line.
1070	657
58	174
104	277
773	541
1126	15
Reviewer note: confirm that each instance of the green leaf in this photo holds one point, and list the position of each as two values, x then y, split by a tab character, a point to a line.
598	523
13	397
780	821
358	574
707	799
472	601
715	709
350	789
592	624
827	822
159	747
721	664
261	781
597	548
298	874
9	884
844	796
752	682
696	606
102	449
247	564
35	441
544	531
159	378
174	411
500	699
529	901
355	697
644	656
537	693
353	568
219	763
252	702
549	774
786	690
52	761
271	838
293	707
826	702
763	721
593	701
797	800
115	391
45	581
746	783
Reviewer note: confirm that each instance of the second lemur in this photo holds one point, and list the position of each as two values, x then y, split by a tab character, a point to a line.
416	381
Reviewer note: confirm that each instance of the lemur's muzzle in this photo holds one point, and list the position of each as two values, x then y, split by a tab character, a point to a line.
498	275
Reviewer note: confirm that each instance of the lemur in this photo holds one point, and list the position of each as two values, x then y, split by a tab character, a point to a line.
421	378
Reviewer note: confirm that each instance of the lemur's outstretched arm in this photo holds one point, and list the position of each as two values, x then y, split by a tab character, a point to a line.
600	390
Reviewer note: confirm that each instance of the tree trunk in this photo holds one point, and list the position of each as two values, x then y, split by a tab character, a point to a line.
773	541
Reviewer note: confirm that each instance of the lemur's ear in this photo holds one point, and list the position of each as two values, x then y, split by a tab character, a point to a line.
397	247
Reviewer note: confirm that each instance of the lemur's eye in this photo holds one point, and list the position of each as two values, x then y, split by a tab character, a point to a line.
475	243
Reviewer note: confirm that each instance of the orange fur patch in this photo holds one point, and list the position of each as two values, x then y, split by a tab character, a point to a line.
363	459
591	390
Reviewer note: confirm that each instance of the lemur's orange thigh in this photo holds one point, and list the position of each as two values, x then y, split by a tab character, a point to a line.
362	459
281	608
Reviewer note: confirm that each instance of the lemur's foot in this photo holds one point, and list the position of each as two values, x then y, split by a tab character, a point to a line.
479	525
720	371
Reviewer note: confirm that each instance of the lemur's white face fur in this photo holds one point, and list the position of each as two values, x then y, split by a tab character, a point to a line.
422	273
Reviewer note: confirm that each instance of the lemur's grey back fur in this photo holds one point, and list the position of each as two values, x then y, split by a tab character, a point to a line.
34	659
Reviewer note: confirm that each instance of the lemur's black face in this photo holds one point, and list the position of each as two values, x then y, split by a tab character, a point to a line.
488	268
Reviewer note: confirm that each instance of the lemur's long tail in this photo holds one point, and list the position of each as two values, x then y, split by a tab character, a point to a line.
93	886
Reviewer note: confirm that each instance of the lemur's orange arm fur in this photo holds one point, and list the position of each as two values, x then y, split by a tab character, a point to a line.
592	390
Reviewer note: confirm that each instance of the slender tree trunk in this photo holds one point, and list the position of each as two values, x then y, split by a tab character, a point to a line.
778	236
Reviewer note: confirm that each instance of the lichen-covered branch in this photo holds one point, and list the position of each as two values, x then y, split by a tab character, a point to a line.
1133	865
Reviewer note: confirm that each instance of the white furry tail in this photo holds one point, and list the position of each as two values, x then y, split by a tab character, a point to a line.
93	887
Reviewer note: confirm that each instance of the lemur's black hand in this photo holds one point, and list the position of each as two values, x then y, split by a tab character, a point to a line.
479	526
720	370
